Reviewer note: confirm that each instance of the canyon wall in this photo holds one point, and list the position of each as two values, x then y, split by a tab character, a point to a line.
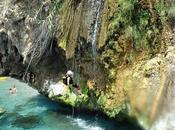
122	52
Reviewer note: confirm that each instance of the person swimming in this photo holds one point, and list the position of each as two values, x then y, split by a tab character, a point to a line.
13	90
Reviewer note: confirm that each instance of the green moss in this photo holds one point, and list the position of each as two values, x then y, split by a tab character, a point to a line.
71	97
102	100
171	12
111	110
130	33
132	22
63	43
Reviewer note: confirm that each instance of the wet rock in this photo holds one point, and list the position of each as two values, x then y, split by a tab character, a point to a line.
65	94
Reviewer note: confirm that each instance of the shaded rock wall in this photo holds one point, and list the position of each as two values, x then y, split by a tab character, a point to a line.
28	43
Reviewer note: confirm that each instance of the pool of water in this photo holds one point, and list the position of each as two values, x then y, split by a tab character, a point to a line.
29	110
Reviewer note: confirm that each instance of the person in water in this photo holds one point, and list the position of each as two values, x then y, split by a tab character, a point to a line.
10	90
13	90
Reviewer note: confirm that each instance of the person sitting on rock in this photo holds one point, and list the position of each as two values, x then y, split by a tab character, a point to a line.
68	80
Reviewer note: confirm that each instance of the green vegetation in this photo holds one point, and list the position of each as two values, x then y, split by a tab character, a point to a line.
133	29
132	22
134	32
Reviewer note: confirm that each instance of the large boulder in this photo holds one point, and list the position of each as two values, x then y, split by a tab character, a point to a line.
64	94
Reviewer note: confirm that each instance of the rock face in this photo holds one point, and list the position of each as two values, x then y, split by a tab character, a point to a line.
28	43
122	52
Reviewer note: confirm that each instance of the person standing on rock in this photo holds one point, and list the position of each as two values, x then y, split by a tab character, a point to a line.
69	77
69	80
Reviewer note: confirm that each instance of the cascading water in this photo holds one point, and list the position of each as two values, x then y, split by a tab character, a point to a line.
97	5
95	8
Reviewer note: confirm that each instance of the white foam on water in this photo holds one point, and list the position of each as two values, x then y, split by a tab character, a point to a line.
83	124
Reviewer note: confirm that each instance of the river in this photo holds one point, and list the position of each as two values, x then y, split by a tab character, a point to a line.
29	110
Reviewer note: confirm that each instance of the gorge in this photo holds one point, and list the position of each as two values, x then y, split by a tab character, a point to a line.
122	53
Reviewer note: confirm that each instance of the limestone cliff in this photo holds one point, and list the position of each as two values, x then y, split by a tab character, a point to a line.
122	52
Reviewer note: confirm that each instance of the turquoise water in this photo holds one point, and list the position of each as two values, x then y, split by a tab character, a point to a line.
29	110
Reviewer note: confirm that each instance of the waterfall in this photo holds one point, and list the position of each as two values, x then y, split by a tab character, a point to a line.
95	29
95	12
